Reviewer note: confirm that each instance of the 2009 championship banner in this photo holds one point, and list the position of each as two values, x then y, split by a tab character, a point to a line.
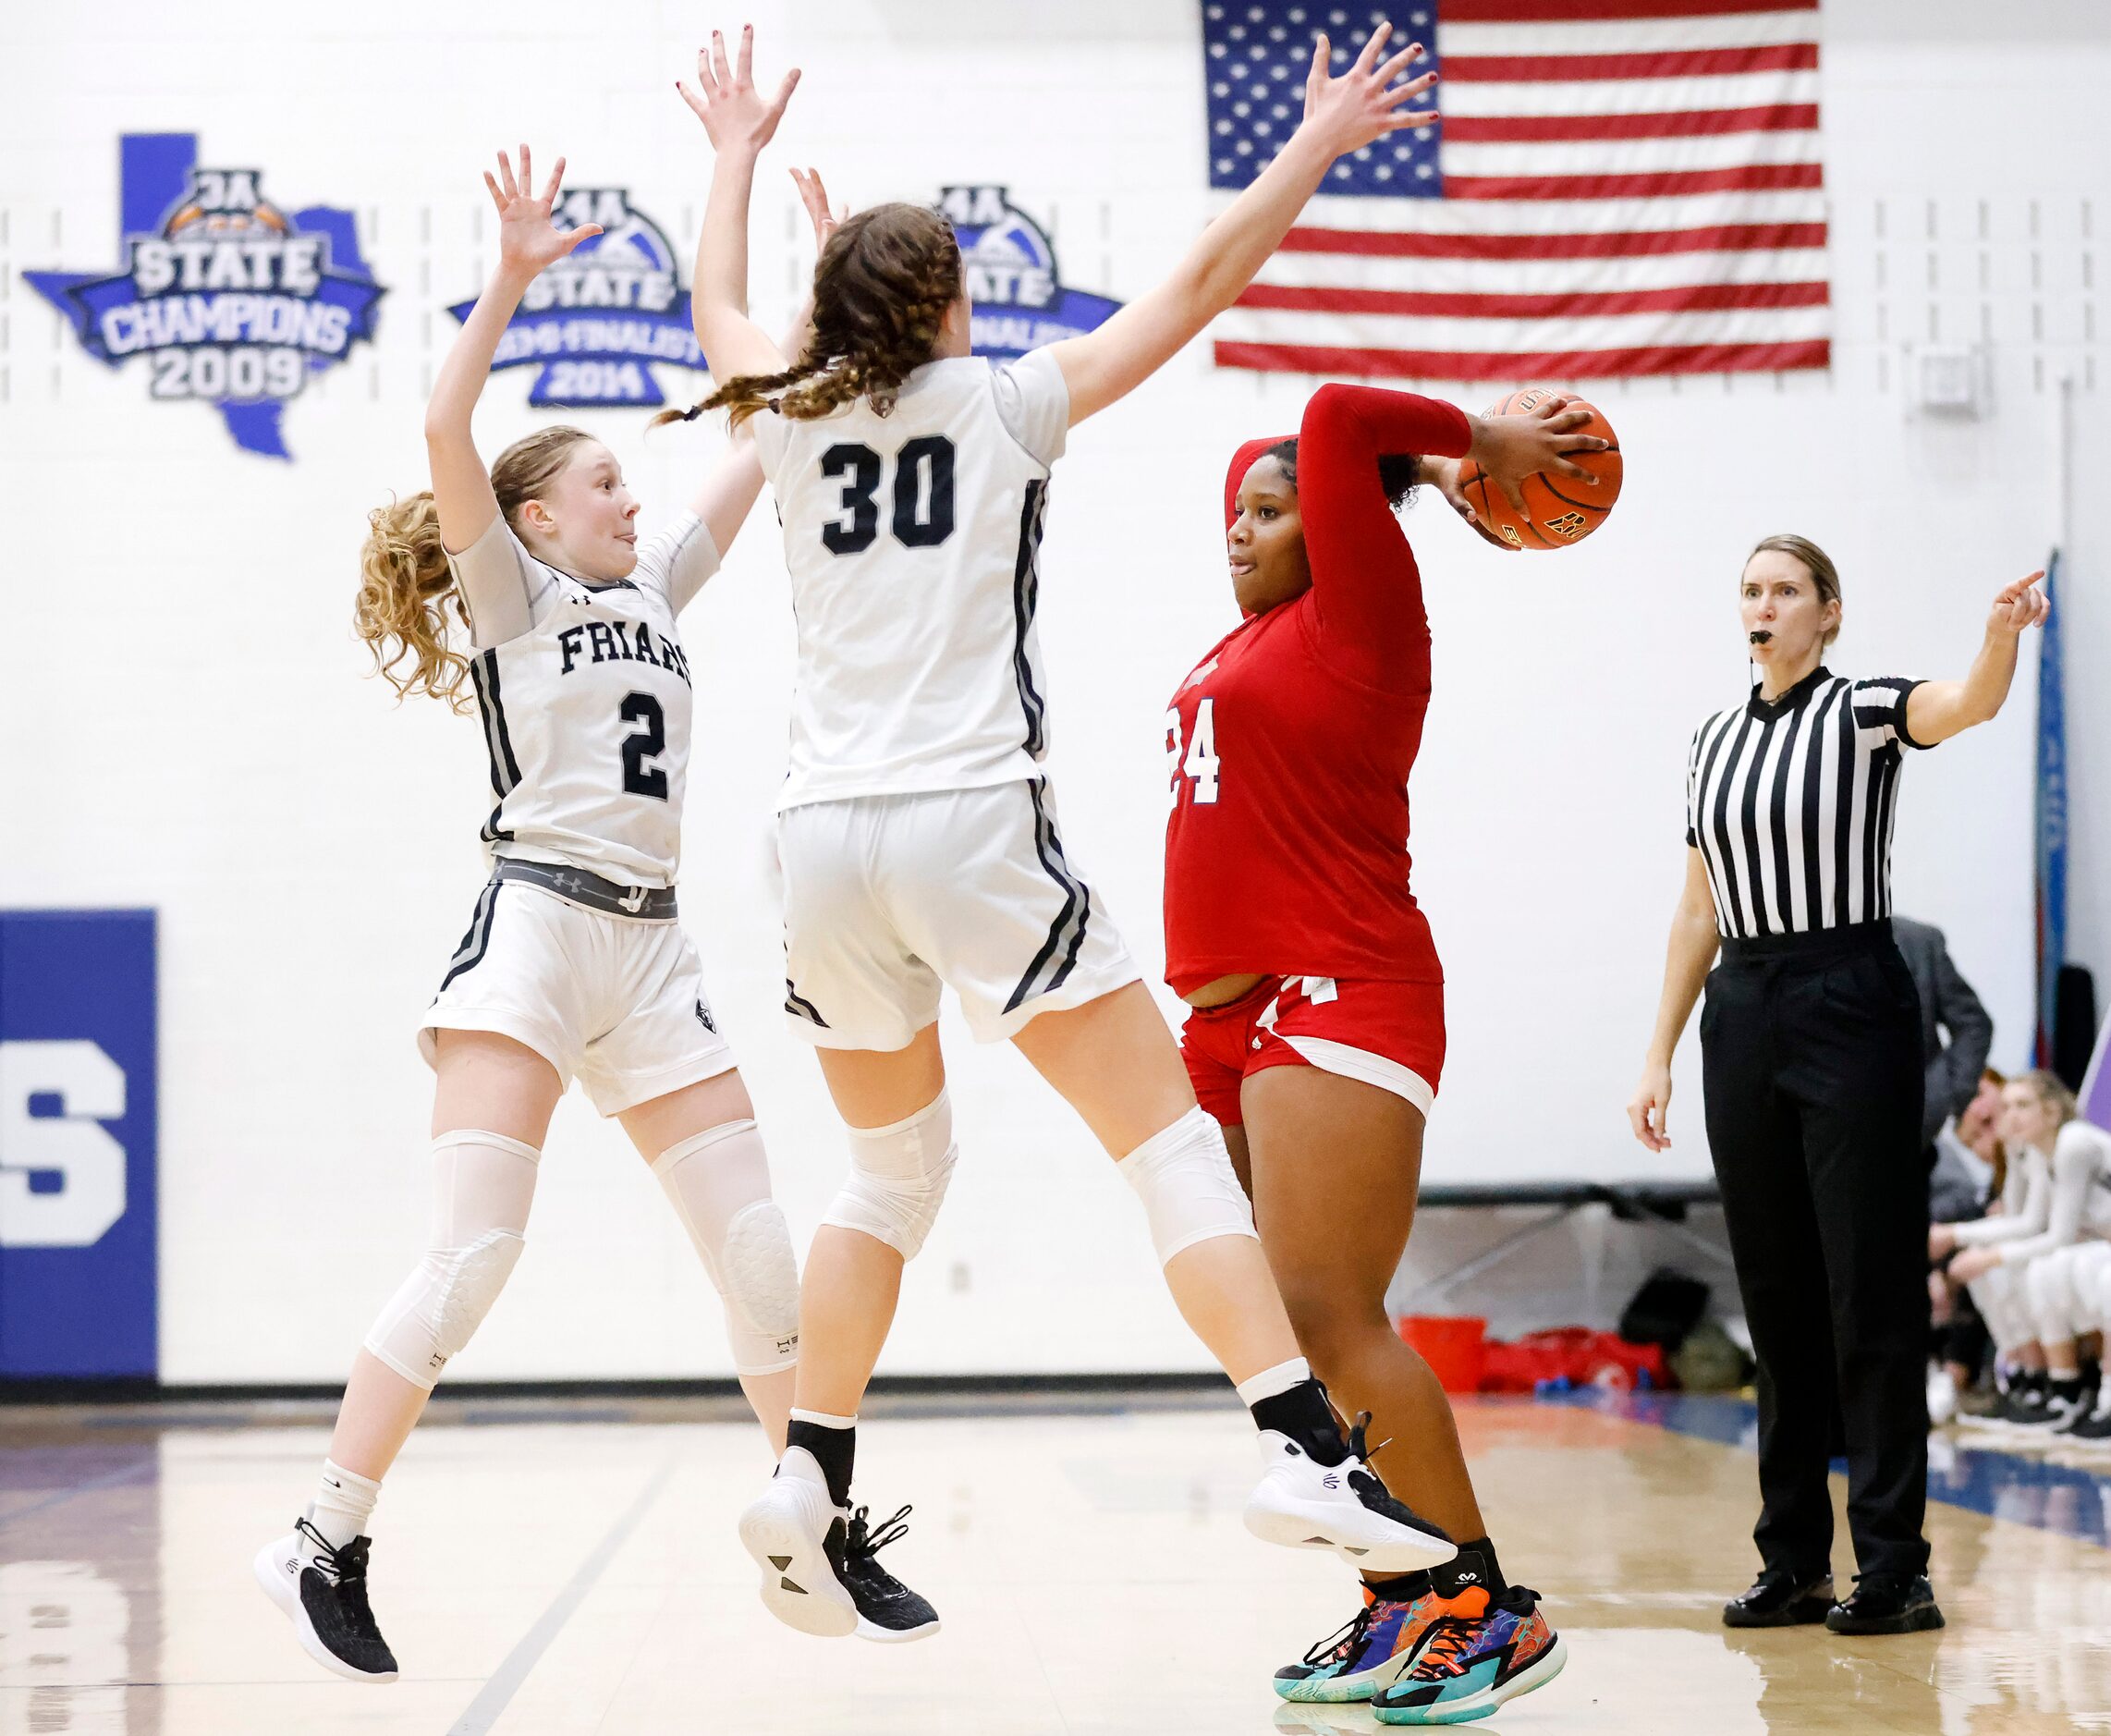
231	301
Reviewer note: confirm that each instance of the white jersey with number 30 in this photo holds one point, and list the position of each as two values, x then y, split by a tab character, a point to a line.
912	541
586	709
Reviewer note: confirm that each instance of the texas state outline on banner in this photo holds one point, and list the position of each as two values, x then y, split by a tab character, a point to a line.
233	301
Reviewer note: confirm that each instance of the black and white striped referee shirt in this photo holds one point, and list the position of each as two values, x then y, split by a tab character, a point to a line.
1790	802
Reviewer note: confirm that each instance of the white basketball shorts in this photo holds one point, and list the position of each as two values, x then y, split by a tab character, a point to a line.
887	896
616	1003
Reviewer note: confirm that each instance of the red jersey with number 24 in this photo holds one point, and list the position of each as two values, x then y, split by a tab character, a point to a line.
1293	741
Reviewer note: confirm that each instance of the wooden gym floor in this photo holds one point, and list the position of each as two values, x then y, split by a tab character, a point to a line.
572	1568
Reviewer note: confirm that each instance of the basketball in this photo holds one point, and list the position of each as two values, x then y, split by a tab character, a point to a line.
1564	508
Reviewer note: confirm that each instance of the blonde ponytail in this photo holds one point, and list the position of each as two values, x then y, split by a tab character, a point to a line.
407	594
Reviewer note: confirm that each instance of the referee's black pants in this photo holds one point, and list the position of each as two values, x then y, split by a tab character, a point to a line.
1811	1059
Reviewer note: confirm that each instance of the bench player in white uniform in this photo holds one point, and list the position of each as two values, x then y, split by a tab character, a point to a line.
917	836
2053	1253
574	965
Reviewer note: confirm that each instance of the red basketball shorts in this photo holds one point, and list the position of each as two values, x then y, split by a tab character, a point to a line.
1387	1034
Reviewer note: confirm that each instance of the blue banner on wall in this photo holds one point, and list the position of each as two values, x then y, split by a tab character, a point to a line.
595	321
78	1145
233	300
1019	297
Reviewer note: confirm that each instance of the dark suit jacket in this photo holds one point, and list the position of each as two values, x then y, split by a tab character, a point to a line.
1947	1005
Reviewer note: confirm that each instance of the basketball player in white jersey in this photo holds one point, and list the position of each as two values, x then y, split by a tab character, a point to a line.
918	834
574	965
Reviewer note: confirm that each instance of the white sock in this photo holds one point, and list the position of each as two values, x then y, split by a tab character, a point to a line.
1270	1381
343	1503
821	1419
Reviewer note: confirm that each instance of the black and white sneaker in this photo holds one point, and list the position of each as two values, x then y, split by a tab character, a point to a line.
2095	1424
1303	1504
888	1611
2022	1404
323	1594
2066	1405
797	1536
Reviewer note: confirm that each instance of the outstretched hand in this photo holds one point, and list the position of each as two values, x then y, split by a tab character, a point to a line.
815	197
734	113
1364	103
2020	607
1513	447
527	239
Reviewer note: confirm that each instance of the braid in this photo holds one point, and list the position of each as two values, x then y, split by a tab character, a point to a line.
881	291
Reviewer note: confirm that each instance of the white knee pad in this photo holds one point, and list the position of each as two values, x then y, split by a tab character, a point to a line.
719	1182
482	1185
1189	1191
897	1178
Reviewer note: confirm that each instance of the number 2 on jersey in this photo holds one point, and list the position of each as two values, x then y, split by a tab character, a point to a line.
922	495
1202	763
641	744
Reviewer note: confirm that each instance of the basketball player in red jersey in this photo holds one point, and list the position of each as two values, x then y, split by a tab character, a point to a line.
1317	1037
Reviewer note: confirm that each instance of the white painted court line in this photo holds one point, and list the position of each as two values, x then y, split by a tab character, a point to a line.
498	1693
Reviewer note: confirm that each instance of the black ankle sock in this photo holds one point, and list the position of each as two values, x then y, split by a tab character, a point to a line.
2057	1387
832	1449
1475	1564
1402	1588
1305	1416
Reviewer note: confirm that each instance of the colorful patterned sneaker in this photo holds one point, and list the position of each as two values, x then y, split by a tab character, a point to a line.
1372	1652
1480	1653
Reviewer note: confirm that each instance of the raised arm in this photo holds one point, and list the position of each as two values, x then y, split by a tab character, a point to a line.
740	122
729	490
1341	115
1938	709
1688	960
527	242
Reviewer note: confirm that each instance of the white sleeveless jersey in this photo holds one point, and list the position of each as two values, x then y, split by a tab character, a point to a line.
912	542
586	713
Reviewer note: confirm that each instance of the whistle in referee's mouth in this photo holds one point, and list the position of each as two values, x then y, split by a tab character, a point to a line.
1761	636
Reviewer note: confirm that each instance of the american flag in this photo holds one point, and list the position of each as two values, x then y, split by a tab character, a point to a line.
1617	187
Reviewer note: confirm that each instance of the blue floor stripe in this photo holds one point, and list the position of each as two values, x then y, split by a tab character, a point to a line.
2025	1488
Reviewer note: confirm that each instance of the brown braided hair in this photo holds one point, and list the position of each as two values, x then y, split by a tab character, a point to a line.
881	288
408	595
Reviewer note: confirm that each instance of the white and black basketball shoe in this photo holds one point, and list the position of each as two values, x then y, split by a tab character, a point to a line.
323	1594
796	1534
887	1610
1306	1504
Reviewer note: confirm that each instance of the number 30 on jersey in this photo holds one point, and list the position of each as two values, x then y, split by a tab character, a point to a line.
1200	762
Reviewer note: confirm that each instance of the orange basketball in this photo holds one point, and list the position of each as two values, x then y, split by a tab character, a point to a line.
1564	510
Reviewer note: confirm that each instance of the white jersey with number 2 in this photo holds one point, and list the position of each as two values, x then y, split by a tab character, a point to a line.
912	541
584	692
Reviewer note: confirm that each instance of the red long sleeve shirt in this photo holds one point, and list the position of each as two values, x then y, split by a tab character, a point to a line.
1292	740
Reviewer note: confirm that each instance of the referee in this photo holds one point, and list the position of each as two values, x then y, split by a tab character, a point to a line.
1812	1064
